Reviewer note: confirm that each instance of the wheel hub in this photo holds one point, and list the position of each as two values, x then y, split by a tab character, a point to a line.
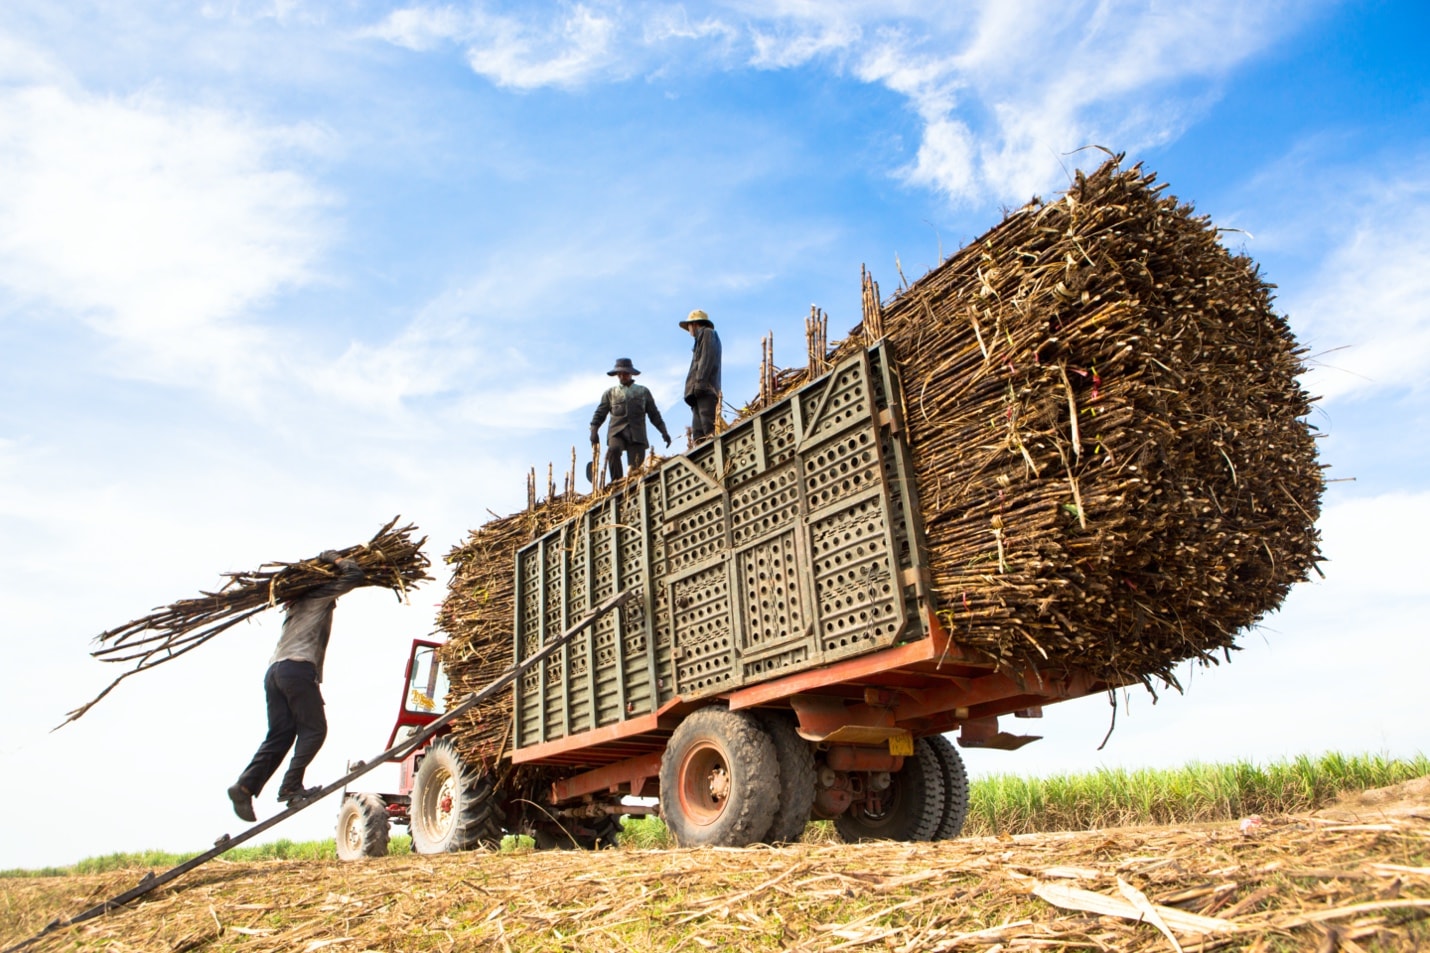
443	802
352	835
705	784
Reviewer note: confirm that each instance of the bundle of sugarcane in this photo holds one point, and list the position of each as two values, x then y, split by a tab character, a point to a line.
1113	462
478	610
391	559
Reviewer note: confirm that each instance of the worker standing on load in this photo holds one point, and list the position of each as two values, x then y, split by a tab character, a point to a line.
702	383
628	404
295	705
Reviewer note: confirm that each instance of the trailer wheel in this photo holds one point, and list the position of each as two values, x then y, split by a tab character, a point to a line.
605	833
362	827
955	787
910	809
601	834
719	780
452	804
797	780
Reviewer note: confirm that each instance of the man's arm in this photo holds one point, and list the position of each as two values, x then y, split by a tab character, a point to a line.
350	576
599	417
653	412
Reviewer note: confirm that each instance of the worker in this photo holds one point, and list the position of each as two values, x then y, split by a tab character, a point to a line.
295	705
628	404
702	383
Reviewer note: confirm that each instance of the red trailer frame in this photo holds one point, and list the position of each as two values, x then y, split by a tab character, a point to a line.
873	704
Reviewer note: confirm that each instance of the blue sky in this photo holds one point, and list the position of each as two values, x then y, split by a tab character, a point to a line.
272	272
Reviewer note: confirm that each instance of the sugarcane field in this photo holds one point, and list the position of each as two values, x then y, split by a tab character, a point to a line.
650	477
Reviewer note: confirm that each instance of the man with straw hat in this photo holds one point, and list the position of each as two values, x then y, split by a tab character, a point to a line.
702	383
628	404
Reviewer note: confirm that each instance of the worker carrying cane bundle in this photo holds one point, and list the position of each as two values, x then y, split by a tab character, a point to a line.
295	704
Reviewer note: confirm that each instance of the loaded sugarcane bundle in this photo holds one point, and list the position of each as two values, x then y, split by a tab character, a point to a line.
477	615
391	559
1114	467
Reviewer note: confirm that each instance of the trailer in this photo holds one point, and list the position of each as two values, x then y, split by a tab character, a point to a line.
779	655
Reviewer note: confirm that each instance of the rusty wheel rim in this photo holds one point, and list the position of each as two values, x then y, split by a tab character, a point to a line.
704	784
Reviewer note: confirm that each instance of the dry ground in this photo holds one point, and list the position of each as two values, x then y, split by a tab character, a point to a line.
1353	877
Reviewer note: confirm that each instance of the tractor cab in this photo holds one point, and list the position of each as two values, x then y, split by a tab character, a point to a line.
424	700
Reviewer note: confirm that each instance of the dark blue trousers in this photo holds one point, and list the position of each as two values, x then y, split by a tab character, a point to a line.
295	713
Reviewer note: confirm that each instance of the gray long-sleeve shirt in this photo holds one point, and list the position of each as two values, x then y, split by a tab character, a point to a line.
628	407
309	620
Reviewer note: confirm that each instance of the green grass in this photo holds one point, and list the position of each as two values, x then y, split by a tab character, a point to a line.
645	833
998	804
1007	804
282	849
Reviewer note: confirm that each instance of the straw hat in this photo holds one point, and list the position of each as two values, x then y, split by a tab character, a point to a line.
696	317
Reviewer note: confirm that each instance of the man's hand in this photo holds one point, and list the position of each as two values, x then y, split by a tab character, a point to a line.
595	439
666	437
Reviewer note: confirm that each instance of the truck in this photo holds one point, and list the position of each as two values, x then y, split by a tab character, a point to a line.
775	654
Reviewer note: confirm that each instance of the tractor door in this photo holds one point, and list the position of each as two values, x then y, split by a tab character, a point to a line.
424	699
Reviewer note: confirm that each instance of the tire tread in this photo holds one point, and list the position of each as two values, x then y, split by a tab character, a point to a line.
797	779
754	773
372	814
476	823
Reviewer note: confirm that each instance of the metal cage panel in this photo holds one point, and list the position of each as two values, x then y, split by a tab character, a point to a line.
788	541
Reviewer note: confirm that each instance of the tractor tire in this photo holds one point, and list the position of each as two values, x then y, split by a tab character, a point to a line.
719	780
910	810
797	781
955	787
453	806
362	827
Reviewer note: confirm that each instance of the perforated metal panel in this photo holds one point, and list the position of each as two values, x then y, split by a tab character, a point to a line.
786	542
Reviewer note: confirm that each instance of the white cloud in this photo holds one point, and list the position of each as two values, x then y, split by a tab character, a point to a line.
1040	82
22	63
243	11
779	49
1366	308
946	158
161	225
422	28
564	51
540	404
435	353
1374	546
578	47
676	24
1029	81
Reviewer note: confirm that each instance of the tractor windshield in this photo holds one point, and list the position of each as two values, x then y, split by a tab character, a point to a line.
427	688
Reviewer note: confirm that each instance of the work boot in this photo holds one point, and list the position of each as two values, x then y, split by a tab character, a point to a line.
242	803
298	796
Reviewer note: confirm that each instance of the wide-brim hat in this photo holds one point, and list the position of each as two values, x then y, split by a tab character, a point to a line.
696	317
623	365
